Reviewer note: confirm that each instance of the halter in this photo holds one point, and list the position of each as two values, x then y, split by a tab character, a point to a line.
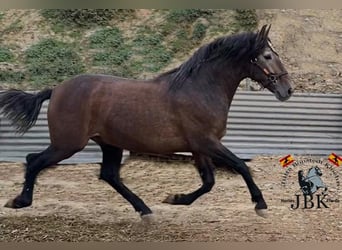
272	78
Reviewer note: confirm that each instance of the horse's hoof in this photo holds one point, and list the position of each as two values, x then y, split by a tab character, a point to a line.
177	199
10	204
148	218
170	199
17	203
262	212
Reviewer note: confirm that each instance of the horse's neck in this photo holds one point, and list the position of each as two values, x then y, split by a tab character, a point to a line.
311	173
217	83
229	85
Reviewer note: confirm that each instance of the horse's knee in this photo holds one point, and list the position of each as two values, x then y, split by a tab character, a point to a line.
107	174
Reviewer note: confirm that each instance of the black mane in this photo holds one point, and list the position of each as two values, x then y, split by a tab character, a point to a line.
233	48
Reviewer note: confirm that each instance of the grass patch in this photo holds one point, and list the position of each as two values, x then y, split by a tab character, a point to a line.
111	51
199	31
109	38
185	29
182	16
10	76
6	55
145	48
246	20
85	17
145	53
50	61
111	57
150	51
180	42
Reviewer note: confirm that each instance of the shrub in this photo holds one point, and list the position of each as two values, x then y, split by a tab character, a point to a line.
187	15
5	55
85	17
111	57
153	55
246	19
112	50
10	76
106	38
199	31
51	60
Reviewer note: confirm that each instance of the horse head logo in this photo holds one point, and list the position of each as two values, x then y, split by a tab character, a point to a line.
310	183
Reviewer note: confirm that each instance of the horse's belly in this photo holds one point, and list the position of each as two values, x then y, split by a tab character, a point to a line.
148	144
147	138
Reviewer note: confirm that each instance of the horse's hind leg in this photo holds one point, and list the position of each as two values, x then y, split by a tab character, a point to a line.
110	172
36	163
205	168
31	157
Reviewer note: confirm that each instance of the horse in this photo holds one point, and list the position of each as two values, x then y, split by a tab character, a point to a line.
181	110
312	182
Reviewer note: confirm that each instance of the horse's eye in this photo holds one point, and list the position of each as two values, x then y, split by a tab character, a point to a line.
268	56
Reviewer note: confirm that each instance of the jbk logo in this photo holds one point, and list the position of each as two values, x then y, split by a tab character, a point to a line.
314	184
309	185
309	202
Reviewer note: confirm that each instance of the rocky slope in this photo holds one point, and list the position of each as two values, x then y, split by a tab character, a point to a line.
309	42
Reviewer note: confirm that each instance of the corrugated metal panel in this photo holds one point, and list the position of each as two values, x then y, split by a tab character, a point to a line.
257	124
305	124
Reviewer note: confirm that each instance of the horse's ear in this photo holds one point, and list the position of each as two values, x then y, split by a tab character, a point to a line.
267	31
262	34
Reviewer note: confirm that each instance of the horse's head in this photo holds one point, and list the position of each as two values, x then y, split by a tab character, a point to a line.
318	171
314	171
267	68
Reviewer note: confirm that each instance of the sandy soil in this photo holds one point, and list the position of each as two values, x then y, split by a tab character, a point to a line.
71	204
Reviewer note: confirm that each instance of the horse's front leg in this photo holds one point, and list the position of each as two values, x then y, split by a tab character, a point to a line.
220	153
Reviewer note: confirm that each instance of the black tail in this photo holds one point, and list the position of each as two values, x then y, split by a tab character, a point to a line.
22	108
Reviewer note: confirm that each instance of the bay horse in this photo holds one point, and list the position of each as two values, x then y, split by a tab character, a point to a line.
182	110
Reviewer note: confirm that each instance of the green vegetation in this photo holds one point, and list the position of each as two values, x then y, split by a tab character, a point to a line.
110	50
185	29
181	17
246	19
51	60
146	53
5	54
199	31
150	51
111	58
11	76
85	17
110	41
106	38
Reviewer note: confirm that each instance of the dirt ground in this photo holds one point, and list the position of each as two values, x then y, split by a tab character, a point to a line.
71	204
